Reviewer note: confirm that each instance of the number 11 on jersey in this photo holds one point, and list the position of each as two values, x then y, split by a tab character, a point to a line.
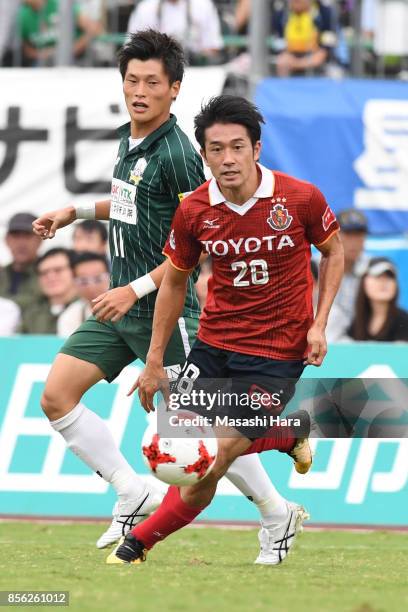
118	242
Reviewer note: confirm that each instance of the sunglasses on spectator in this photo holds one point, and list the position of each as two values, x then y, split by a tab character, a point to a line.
85	281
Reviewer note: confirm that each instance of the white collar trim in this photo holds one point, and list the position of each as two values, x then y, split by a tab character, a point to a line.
265	190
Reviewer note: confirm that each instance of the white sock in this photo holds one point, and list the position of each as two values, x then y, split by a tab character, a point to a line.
88	436
249	475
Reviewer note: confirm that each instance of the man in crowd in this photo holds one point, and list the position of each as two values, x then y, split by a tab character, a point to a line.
91	236
91	276
56	282
18	280
307	29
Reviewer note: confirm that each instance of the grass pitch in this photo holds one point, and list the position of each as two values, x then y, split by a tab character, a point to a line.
209	569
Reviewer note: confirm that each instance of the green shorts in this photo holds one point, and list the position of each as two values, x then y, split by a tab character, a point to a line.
112	346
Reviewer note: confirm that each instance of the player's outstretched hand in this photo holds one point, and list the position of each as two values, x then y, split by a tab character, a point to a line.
152	379
114	304
316	340
46	225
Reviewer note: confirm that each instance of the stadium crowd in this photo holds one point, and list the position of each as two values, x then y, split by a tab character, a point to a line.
307	36
52	292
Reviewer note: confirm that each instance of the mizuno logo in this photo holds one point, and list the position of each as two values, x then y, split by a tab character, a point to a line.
210	223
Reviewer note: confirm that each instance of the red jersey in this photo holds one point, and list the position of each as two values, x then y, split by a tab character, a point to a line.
260	294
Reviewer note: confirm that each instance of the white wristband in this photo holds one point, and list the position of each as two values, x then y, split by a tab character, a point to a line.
85	211
143	285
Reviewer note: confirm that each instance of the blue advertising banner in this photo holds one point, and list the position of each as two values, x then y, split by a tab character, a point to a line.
349	137
353	481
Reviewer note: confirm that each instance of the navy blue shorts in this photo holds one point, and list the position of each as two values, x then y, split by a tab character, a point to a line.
250	389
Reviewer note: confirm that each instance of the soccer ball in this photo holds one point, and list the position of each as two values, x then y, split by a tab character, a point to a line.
180	461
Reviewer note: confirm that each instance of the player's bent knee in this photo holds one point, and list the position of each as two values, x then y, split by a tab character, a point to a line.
68	380
50	406
54	405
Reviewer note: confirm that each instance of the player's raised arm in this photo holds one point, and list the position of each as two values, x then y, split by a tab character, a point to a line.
47	225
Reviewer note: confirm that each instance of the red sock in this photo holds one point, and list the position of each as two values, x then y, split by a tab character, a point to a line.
279	438
170	516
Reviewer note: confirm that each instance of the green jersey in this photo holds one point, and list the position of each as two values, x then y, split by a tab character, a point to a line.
148	183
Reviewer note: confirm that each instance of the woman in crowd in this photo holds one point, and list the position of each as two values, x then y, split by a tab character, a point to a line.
377	316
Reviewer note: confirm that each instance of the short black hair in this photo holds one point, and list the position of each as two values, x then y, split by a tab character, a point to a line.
228	109
86	256
150	44
69	253
93	225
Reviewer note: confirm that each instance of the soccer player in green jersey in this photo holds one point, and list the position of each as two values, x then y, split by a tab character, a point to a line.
156	165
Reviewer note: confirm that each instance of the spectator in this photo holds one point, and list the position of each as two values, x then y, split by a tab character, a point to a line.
353	225
38	21
377	316
90	235
10	317
18	280
56	280
307	29
91	275
195	23
304	28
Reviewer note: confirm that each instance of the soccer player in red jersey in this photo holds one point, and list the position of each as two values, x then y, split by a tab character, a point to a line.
258	225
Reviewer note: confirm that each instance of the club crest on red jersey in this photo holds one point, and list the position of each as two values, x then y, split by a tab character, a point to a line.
328	218
280	218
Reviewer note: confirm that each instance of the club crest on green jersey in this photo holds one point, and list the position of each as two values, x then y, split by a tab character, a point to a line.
136	174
